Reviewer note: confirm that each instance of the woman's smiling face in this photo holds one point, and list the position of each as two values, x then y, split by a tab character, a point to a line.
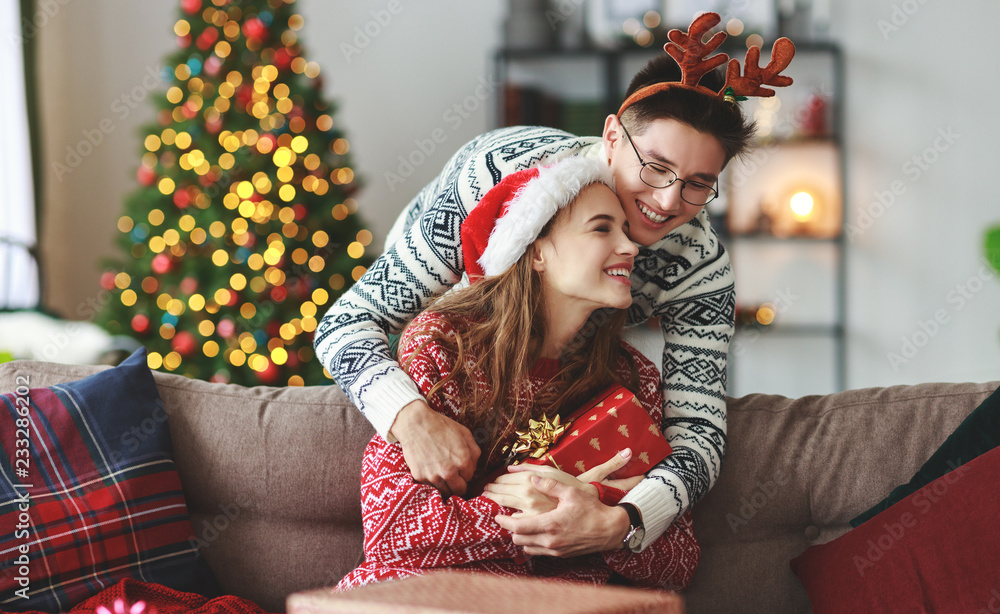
653	213
587	257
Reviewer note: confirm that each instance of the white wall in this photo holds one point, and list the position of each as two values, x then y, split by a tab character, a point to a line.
936	72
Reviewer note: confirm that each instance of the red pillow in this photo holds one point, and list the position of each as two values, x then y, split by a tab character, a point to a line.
937	550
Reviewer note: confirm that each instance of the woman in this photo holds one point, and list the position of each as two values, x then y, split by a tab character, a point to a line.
547	253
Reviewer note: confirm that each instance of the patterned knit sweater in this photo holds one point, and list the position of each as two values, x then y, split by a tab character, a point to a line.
685	279
410	529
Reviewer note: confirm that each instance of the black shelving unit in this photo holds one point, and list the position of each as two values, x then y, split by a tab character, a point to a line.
606	72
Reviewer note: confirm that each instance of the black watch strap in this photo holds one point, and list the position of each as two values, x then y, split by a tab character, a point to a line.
634	517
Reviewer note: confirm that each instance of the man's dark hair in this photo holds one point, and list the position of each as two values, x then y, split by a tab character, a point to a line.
703	112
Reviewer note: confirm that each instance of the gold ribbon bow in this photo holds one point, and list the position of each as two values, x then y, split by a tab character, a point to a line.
535	442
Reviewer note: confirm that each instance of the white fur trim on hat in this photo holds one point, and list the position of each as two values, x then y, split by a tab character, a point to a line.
535	204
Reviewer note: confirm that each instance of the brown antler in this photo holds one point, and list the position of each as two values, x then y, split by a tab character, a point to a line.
691	53
749	84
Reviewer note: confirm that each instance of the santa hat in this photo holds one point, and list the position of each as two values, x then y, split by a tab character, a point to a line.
510	217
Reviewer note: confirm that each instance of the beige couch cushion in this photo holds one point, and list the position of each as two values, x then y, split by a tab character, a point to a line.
798	470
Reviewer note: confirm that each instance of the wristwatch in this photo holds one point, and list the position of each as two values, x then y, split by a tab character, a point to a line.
633	539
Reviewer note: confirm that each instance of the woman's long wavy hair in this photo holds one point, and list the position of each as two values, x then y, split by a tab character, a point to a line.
501	328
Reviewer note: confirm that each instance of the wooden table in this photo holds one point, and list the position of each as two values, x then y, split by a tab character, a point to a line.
477	593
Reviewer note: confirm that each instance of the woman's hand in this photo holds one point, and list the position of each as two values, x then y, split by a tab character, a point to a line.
515	490
582	482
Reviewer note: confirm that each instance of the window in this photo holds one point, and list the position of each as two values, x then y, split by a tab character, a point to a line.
19	275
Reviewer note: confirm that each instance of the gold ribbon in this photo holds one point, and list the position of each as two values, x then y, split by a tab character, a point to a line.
536	440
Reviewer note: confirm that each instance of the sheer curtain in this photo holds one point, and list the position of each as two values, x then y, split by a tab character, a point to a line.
18	268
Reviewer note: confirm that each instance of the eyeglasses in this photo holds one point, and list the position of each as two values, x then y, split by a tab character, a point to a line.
659	176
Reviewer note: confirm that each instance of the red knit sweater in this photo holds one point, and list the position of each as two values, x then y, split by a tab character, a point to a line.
410	529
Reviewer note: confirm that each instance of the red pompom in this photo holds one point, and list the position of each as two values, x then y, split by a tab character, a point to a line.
140	323
145	175
190	6
255	30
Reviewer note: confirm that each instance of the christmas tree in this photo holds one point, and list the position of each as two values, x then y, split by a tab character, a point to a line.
243	229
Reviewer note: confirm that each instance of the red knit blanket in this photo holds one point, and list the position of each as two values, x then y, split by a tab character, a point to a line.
162	600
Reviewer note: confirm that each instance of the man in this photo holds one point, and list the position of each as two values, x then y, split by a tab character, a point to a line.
666	147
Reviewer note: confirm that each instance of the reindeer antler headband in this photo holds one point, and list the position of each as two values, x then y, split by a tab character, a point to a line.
690	52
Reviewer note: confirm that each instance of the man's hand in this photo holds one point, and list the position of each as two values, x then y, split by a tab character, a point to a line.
438	450
579	525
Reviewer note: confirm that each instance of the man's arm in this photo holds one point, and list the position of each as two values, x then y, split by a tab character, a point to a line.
425	261
694	296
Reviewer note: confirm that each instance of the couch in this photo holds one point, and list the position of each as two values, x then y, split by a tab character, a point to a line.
270	476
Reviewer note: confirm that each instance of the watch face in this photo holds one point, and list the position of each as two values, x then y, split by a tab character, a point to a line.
635	538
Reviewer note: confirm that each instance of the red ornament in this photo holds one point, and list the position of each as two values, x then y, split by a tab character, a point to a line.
226	328
293	360
164	117
184	343
161	264
267	136
213	125
212	65
244	95
270	374
182	198
108	280
190	110
184	41
300	211
145	175
190	6
140	323
207	38
278	294
282	59
255	30
189	285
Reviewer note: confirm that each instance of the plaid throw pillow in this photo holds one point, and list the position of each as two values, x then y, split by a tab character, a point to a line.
90	493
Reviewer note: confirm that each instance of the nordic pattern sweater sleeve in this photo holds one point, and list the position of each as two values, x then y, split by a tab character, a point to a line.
687	281
422	261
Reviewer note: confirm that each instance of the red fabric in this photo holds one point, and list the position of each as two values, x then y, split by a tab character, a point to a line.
478	225
937	550
409	528
162	600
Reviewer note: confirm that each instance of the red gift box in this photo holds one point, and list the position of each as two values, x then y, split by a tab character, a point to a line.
613	421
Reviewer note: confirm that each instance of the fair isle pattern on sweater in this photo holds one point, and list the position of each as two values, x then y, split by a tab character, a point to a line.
410	529
685	279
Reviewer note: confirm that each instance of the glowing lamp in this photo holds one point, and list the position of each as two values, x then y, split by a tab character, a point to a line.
802	205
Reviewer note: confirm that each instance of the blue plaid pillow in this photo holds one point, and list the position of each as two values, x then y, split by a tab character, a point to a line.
90	493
